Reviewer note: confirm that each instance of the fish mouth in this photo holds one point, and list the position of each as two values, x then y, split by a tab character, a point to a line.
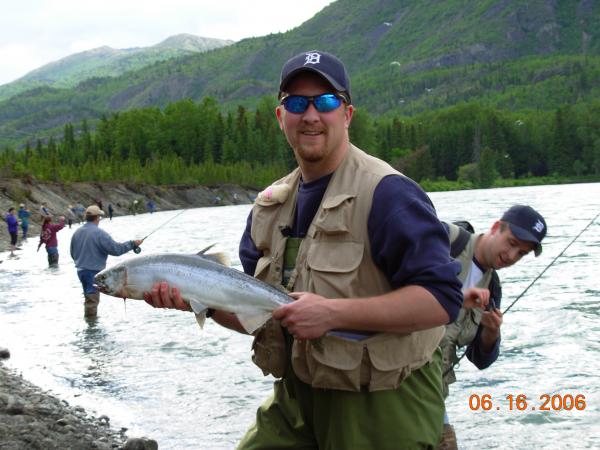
101	287
100	283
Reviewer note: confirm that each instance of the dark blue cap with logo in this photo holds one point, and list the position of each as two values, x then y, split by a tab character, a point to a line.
322	63
526	224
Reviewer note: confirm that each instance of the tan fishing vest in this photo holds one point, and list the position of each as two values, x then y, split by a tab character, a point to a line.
334	260
463	330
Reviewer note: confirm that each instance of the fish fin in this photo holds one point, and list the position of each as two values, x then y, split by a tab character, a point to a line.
251	322
199	309
197	306
201	318
219	258
204	250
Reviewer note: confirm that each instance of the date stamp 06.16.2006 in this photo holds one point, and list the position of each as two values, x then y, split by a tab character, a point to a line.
520	402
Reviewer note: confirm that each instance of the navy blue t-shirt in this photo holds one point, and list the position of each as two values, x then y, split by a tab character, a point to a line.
408	242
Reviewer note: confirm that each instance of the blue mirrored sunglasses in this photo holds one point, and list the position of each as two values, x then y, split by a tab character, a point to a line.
297	104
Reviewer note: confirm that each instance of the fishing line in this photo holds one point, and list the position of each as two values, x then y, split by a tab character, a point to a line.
137	249
530	284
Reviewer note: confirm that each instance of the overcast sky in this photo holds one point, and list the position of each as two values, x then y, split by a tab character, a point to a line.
36	32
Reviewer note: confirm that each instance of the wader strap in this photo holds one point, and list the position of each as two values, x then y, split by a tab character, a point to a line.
292	248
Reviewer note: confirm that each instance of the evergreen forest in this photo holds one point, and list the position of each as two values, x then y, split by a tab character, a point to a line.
463	146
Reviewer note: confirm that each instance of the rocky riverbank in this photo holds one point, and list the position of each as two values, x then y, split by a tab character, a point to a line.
32	419
122	196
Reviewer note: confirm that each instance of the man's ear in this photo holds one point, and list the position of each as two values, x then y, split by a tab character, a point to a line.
279	114
348	111
495	227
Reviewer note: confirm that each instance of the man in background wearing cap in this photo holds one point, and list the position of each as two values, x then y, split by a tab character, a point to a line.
519	231
90	247
367	261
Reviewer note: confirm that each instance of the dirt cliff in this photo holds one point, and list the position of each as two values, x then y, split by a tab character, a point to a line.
58	197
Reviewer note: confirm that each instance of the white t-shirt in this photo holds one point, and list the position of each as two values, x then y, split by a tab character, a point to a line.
474	276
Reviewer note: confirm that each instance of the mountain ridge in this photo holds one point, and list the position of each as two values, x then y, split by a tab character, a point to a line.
105	61
405	56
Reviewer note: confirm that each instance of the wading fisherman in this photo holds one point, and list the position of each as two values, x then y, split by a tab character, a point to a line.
90	247
359	244
519	231
48	237
24	215
13	229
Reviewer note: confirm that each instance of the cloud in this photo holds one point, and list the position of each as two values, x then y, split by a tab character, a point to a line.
36	32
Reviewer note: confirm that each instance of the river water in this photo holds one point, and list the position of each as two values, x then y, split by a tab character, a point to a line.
157	373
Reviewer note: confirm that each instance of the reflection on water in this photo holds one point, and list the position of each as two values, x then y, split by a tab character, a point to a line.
158	374
92	348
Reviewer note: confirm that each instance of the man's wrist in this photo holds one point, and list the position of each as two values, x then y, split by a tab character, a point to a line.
489	339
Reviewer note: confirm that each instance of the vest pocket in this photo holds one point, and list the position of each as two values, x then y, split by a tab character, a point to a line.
269	349
378	363
333	267
391	359
323	365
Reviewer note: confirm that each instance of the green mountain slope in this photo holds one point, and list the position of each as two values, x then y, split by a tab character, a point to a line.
108	62
403	55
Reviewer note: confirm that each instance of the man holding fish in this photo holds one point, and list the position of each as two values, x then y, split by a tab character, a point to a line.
366	261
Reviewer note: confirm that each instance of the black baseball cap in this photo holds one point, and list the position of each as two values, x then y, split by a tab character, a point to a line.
324	64
526	224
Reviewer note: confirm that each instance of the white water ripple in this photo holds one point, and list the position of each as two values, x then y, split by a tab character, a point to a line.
158	374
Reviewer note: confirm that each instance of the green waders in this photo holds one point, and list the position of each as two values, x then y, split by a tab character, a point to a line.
298	416
90	305
409	417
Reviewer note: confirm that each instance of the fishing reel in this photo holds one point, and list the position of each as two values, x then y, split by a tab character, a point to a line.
137	250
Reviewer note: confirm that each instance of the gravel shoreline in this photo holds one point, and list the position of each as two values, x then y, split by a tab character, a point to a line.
31	418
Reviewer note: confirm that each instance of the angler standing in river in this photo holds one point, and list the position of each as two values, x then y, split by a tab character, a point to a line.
48	238
13	229
24	215
518	232
90	247
367	260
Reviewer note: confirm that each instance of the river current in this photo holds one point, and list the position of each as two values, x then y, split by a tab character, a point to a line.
157	373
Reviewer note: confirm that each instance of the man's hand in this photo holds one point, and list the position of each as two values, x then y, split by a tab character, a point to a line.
309	317
475	298
491	321
163	297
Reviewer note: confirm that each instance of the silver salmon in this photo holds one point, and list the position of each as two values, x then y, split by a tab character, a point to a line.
202	281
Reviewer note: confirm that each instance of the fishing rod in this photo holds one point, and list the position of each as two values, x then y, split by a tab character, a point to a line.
138	249
527	288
